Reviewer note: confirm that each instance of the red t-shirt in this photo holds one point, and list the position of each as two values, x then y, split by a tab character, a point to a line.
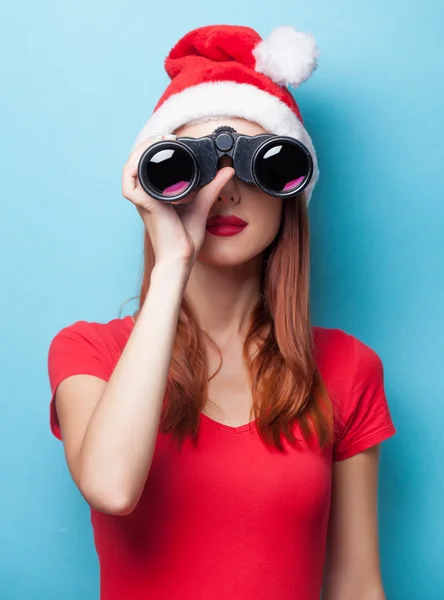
229	518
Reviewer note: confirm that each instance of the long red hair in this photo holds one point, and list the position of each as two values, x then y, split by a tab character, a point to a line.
285	382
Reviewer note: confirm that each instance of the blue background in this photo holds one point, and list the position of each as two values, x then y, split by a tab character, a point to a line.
79	80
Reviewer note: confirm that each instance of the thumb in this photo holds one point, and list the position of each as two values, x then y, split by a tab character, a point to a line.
208	194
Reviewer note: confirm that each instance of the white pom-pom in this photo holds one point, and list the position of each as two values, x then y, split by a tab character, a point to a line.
287	56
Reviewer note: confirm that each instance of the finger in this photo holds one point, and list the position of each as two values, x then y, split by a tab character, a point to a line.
194	215
129	180
210	192
132	190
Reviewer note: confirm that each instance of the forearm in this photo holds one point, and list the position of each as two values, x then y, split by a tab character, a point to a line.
119	442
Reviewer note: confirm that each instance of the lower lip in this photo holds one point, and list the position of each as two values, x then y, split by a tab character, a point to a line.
225	230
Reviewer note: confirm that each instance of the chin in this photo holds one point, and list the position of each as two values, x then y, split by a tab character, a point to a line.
223	259
218	255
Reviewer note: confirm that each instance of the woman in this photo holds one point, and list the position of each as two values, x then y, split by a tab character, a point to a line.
227	448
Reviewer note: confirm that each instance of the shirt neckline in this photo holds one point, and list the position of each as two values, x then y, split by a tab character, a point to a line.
208	420
228	428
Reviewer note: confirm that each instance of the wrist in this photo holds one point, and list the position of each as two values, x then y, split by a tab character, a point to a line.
175	272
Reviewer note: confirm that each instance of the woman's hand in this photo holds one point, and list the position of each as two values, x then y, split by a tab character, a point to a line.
176	231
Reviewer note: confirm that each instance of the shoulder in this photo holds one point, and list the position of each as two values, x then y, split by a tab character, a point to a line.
89	343
101	334
345	363
84	348
338	352
353	375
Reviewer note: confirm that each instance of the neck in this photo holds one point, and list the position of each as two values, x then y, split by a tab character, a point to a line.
223	298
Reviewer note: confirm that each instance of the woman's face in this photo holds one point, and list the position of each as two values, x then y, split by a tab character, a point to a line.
261	211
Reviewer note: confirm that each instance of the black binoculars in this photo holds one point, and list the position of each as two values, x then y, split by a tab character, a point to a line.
280	166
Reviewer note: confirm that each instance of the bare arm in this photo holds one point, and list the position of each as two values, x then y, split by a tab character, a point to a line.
352	566
109	429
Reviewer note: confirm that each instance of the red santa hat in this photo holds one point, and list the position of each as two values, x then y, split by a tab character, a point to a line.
229	71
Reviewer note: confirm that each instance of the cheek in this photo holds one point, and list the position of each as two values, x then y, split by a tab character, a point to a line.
269	218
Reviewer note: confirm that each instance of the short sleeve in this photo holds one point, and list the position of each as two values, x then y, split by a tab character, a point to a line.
367	420
75	350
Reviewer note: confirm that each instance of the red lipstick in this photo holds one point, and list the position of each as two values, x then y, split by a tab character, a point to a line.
225	225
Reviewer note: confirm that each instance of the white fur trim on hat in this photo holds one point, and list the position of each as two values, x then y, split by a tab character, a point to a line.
229	99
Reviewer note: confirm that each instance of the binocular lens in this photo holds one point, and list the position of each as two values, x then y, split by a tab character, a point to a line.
170	171
282	166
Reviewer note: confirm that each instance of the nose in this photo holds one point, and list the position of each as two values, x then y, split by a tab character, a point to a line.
230	192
